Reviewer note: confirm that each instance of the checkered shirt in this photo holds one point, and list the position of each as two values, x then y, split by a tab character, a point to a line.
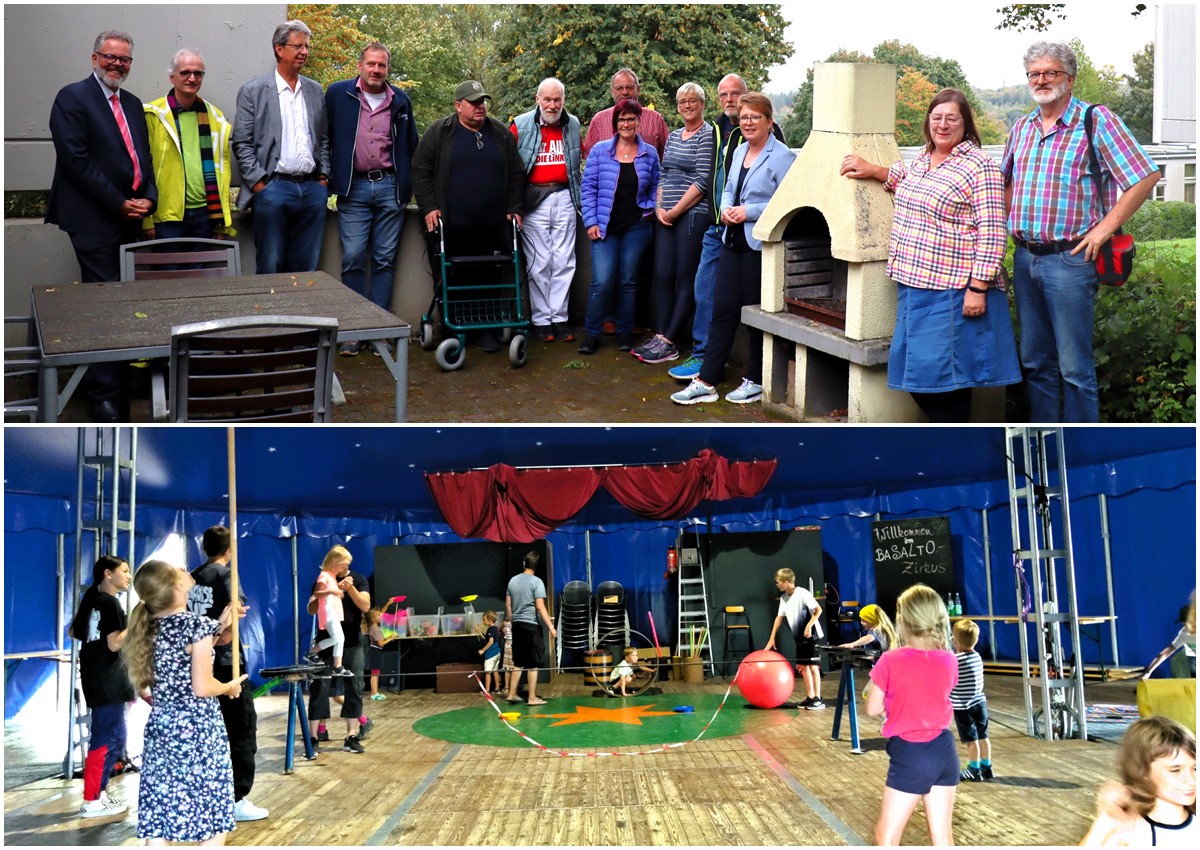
949	221
1053	194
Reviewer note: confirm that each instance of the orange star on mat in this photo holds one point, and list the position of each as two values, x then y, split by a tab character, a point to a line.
630	714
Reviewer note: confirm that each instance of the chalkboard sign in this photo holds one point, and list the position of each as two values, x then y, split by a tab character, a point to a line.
908	552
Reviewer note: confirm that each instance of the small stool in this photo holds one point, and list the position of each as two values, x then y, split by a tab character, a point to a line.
735	621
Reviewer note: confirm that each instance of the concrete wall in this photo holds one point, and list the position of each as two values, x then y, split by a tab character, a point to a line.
1175	73
48	46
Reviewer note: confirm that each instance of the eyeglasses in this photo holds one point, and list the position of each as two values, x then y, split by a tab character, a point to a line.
627	120
1048	76
478	140
689	102
114	59
199	75
948	120
297	47
751	119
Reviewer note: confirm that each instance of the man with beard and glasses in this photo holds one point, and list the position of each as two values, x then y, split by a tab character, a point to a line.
1059	225
549	143
103	184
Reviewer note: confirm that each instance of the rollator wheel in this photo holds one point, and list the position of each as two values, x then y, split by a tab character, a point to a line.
427	341
517	350
506	335
451	354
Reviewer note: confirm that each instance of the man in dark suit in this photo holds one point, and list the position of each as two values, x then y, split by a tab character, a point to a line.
103	182
281	144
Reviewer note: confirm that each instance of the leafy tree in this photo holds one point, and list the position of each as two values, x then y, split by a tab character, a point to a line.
1040	16
1095	85
798	123
336	41
1136	105
666	44
913	92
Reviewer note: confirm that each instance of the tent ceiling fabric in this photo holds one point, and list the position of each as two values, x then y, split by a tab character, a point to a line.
351	470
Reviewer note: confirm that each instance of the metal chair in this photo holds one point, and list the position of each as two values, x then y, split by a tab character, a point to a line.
22	372
740	625
610	614
253	369
202	258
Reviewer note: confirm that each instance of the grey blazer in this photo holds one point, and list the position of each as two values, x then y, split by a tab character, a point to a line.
258	130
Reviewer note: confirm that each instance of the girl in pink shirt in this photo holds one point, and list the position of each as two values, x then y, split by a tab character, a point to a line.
329	608
912	685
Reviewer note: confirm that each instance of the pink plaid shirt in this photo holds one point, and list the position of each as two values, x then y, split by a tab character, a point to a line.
949	221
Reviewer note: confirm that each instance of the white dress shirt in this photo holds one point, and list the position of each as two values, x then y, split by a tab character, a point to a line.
296	150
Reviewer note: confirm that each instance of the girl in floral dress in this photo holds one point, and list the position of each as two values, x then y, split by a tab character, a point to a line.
185	792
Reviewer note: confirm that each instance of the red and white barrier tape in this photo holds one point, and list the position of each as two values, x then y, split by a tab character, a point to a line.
659	749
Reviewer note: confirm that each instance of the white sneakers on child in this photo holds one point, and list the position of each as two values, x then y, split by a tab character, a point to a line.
244	810
102	807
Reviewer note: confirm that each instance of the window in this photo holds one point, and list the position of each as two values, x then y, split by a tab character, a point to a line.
1189	182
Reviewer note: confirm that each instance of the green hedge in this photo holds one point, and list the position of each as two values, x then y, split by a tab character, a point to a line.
1160	220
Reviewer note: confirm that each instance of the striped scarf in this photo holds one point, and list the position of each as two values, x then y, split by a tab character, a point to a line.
212	191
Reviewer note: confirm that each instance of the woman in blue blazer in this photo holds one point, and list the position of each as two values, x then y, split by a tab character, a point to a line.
757	169
620	182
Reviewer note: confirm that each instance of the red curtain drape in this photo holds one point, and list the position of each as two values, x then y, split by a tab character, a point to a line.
507	505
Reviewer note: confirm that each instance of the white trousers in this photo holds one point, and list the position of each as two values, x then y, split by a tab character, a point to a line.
549	240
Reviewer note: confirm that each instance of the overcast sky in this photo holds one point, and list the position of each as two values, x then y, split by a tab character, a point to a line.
964	30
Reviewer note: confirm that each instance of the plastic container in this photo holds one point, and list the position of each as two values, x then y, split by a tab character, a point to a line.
454	624
423	625
475	622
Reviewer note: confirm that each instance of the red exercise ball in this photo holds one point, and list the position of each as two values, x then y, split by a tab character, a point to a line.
765	678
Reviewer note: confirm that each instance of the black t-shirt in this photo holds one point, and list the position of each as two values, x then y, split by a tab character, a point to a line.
625	210
477	191
735	235
210	597
105	680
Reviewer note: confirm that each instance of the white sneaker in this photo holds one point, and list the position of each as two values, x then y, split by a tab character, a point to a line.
244	810
101	808
109	798
697	392
747	393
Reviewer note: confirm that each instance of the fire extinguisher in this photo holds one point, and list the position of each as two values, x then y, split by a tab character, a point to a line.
672	563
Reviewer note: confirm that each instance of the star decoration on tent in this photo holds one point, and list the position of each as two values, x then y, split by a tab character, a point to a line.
628	714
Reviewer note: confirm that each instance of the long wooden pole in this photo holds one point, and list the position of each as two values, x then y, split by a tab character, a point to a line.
235	595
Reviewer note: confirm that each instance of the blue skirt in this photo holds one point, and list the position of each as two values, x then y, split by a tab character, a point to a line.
937	349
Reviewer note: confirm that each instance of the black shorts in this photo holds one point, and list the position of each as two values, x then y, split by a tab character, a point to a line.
374	658
916	767
528	645
972	723
806	651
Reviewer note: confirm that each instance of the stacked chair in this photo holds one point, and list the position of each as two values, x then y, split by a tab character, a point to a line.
610	614
574	618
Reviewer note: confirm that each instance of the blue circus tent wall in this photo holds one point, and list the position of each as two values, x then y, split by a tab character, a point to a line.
1147	479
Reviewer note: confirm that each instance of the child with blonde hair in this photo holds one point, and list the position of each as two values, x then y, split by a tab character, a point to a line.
1154	803
911	683
185	789
970	704
491	653
879	629
330	612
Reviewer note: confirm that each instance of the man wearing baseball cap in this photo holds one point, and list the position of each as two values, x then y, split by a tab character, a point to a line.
468	175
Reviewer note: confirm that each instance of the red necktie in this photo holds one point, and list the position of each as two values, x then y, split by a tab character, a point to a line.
123	126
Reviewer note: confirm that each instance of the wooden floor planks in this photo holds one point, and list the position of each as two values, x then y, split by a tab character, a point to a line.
715	792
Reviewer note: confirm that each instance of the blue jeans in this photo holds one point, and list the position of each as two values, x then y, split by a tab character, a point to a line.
195	224
616	261
289	222
1056	304
706	279
369	220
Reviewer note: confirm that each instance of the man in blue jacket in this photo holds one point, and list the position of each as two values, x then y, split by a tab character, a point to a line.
372	136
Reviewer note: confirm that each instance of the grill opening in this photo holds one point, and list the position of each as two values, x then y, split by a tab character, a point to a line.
814	284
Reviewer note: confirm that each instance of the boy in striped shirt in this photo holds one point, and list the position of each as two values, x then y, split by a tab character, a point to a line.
970	704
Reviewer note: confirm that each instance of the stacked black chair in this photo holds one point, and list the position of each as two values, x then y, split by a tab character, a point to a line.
610	613
575	616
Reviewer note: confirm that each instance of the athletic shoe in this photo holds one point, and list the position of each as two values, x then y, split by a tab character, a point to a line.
101	808
805	703
544	333
589	345
970	774
563	332
322	735
697	392
387	343
116	801
661	353
686	370
747	393
349	349
815	704
364	729
344	672
985	771
244	810
378	697
316	744
646	347
351	745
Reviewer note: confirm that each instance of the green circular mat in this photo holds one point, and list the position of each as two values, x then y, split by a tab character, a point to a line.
571	723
